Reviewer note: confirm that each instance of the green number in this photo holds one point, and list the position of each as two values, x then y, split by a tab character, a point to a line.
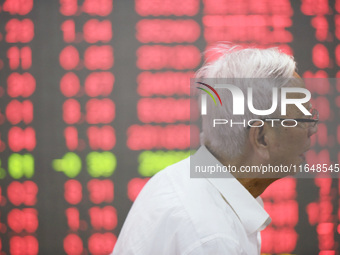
70	164
101	163
151	162
21	165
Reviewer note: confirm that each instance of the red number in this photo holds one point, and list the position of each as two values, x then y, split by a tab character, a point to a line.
73	245
69	58
20	85
22	193
25	219
71	137
69	30
99	57
99	84
320	56
70	84
312	210
155	137
71	111
100	111
278	241
283	213
320	23
315	7
177	57
167	7
19	111
105	218
19	139
14	55
21	7
325	232
167	31
19	31
101	243
73	192
95	30
24	245
68	7
168	110
101	137
72	215
97	7
164	83
100	191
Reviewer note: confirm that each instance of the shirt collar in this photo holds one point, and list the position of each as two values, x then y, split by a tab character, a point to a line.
249	210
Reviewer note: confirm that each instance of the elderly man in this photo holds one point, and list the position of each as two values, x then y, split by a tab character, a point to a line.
177	214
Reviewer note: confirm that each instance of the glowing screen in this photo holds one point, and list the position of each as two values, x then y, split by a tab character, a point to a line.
94	100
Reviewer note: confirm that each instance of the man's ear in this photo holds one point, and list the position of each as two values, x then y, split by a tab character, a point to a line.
258	138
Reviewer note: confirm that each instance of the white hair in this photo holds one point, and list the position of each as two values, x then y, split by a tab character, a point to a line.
237	64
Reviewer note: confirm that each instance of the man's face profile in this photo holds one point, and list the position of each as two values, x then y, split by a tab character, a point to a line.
290	144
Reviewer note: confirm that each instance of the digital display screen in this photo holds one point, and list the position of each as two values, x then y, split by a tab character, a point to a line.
94	100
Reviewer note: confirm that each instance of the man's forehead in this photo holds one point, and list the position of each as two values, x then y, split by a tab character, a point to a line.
297	82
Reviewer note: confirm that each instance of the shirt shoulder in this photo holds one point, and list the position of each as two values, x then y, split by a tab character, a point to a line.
174	212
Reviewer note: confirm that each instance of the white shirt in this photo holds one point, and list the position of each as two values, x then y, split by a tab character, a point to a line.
176	214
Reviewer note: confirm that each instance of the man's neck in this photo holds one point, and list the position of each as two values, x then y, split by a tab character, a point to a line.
255	186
